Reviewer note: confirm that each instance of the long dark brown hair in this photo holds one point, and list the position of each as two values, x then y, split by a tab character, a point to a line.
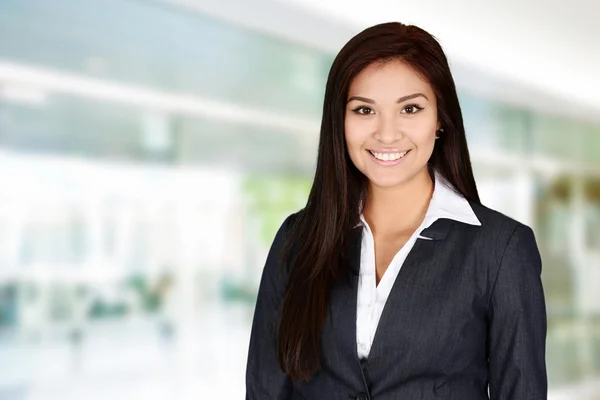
321	232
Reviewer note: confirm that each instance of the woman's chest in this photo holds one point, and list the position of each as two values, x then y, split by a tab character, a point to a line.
435	306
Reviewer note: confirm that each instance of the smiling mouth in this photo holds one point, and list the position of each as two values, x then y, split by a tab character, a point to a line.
389	156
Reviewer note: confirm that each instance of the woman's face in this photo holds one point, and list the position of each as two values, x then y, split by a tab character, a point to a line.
390	124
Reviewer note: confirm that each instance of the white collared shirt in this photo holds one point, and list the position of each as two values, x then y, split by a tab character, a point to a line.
445	203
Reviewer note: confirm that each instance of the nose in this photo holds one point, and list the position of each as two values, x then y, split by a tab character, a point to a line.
388	130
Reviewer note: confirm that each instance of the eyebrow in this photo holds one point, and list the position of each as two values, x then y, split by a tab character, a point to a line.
400	100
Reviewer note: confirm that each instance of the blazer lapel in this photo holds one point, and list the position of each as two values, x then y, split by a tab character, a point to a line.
419	266
339	334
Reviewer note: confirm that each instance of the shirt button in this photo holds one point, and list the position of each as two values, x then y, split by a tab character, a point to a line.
362	396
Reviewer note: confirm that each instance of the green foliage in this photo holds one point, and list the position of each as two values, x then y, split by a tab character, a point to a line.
272	198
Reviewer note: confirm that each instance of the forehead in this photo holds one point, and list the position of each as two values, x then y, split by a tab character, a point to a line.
393	78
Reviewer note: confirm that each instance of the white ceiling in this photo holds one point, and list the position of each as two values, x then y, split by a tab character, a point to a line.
551	45
543	54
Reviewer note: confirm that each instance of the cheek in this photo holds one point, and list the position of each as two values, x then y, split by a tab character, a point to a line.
423	137
424	141
354	144
355	137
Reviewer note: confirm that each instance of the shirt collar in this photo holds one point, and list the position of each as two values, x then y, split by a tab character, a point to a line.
445	203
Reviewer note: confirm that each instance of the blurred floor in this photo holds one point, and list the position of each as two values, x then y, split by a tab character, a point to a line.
125	360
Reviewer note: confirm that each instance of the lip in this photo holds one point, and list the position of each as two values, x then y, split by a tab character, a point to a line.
387	163
388	150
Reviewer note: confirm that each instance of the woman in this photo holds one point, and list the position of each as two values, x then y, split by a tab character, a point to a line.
394	282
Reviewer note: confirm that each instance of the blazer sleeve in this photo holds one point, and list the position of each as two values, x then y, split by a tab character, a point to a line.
517	323
264	378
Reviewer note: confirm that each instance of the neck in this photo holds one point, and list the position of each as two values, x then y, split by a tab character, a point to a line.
400	208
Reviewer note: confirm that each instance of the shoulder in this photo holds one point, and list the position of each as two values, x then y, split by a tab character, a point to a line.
274	257
496	226
289	223
503	239
500	234
275	272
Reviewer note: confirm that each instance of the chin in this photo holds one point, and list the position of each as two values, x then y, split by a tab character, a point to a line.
387	181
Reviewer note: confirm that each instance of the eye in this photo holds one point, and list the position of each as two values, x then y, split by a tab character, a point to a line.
411	109
362	110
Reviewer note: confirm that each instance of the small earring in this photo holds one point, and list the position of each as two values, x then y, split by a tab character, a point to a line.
439	133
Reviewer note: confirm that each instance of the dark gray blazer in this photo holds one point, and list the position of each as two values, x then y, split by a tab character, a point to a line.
466	311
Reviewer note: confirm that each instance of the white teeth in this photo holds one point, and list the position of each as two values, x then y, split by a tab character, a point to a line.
389	156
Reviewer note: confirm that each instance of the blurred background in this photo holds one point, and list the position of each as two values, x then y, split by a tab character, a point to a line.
149	150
